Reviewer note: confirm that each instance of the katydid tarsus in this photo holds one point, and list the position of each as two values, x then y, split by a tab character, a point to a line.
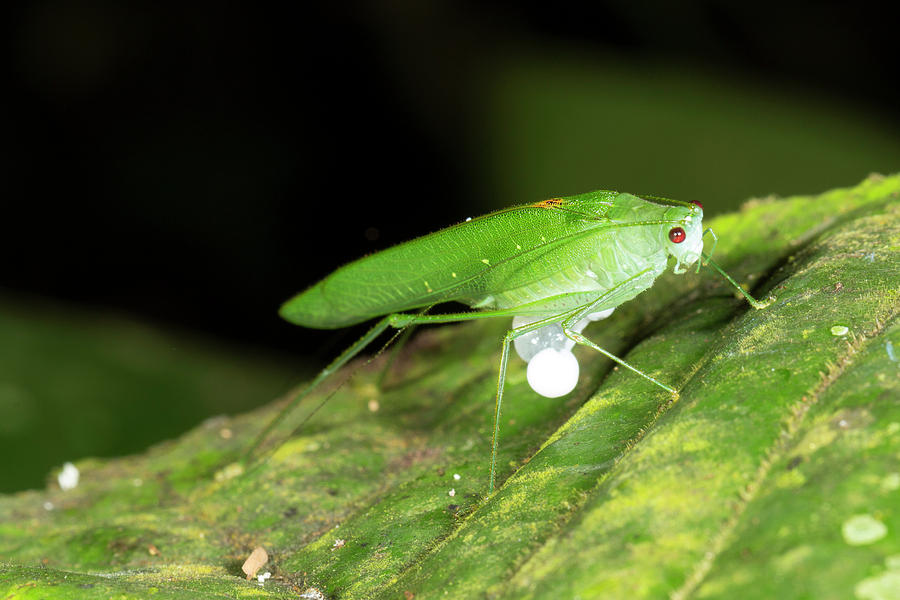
552	267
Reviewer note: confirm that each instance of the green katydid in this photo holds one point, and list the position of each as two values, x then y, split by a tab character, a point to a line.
552	266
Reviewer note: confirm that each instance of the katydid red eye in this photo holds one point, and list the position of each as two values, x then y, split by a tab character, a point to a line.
677	235
700	206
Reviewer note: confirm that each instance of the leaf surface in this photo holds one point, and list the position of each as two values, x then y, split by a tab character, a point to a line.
776	473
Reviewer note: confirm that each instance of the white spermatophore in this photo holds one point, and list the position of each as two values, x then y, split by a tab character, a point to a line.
553	373
552	368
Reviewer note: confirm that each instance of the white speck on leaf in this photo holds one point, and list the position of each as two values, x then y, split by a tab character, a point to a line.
456	476
338	543
840	330
891	482
68	477
451	493
861	530
881	587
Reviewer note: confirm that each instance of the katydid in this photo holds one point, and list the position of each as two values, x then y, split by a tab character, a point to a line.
552	267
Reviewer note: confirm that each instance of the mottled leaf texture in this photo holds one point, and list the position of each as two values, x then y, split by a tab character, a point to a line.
775	475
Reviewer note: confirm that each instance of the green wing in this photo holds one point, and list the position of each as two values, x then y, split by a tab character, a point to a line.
447	265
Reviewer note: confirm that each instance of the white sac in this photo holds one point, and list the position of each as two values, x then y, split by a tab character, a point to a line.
555	373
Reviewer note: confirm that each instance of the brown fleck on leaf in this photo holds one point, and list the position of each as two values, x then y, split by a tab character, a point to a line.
257	559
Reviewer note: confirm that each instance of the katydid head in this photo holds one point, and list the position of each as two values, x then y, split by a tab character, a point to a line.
684	238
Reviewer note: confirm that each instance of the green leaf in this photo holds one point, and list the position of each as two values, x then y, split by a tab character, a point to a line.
776	473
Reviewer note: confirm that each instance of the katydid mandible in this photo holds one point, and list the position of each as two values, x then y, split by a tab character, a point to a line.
553	267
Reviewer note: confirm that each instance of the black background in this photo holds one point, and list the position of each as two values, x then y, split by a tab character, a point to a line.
196	164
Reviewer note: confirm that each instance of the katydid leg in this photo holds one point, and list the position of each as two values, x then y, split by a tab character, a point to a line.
580	339
395	321
510	336
405	333
568	324
345	356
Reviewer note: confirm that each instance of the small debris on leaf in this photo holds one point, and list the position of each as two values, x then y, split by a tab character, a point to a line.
255	561
451	493
338	543
68	477
229	472
262	578
840	330
373	405
153	550
312	594
456	476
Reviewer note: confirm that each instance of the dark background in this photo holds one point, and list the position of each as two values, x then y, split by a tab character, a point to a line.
190	166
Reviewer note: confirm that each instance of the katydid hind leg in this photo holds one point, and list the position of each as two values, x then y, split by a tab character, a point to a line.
382	382
400	321
342	359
